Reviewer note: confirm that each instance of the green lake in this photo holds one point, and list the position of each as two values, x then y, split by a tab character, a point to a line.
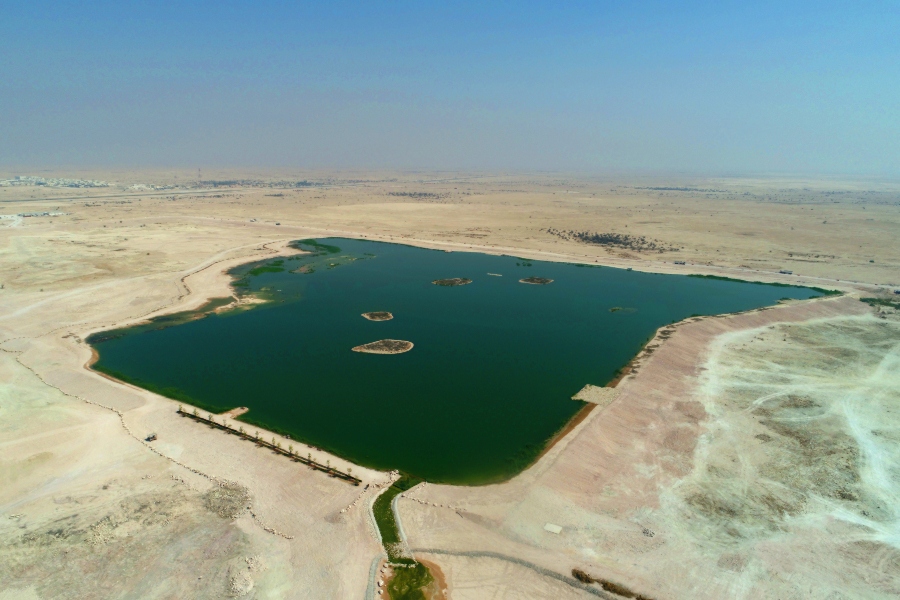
488	382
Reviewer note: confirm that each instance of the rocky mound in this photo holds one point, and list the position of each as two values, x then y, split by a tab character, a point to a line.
536	280
385	347
452	282
378	316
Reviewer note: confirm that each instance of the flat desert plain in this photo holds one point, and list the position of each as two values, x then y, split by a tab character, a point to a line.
752	455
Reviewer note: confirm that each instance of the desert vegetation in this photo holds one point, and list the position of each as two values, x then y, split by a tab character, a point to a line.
609	586
419	195
387	525
886	302
624	241
772	283
407	584
271	268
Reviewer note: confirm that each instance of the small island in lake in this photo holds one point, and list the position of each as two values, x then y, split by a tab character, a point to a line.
536	280
385	347
378	316
452	282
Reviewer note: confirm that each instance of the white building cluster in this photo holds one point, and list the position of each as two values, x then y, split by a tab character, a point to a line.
147	187
53	182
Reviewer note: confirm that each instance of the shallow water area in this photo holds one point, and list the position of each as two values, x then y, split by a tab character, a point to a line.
488	381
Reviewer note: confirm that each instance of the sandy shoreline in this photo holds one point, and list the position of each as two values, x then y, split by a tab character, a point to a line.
601	453
214	276
214	280
630	370
235	412
636	264
610	479
200	449
210	280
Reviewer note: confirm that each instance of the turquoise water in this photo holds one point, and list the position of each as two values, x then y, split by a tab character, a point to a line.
488	382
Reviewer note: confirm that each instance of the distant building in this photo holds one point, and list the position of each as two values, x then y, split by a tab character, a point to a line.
20	180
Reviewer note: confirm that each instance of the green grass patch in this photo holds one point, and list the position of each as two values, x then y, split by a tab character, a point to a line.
407	583
881	302
384	517
822	291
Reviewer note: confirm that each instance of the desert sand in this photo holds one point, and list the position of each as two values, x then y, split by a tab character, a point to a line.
601	396
745	456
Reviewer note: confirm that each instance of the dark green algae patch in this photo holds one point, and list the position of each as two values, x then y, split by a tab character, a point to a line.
162	322
818	290
407	584
487	384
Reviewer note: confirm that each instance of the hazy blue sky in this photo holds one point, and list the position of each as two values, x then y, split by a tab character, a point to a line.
707	87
